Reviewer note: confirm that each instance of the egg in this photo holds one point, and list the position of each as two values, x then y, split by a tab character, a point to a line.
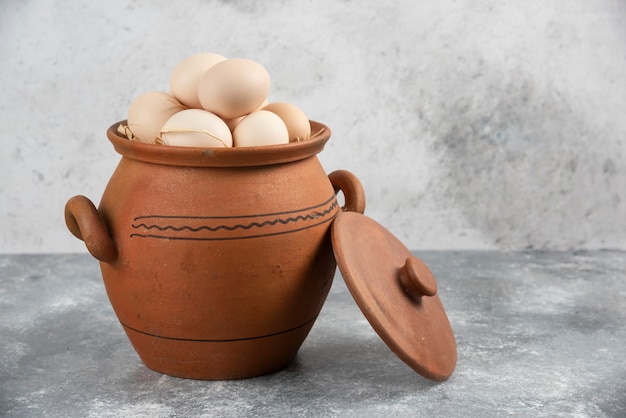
148	112
260	128
232	123
196	128
234	87
296	121
186	76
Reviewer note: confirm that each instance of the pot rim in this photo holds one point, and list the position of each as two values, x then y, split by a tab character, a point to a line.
220	157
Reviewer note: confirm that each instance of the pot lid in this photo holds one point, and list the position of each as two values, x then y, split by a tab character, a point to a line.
396	292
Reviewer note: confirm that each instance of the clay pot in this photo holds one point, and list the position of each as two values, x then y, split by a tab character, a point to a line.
216	261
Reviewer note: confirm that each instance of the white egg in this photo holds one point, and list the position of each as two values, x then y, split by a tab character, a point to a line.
260	128
187	74
196	128
296	121
234	87
148	112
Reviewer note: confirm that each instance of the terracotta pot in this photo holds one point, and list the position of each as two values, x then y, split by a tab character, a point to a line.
216	261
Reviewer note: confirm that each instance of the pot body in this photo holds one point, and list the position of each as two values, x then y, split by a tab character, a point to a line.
219	267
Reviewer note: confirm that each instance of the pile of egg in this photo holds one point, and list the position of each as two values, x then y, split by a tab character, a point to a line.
216	102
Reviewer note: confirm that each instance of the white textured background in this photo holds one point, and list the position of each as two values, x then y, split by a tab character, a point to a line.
476	124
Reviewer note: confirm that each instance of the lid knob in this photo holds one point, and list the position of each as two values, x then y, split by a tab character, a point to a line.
417	279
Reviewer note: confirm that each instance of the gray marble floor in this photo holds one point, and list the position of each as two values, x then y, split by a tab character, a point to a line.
538	334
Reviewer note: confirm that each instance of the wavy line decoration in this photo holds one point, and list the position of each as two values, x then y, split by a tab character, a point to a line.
206	228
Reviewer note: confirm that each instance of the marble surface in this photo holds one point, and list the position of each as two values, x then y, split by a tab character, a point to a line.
482	124
539	334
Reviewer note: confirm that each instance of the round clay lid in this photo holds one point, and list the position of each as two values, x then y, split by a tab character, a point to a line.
396	292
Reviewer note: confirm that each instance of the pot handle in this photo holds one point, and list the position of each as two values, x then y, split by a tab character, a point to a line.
85	223
349	184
